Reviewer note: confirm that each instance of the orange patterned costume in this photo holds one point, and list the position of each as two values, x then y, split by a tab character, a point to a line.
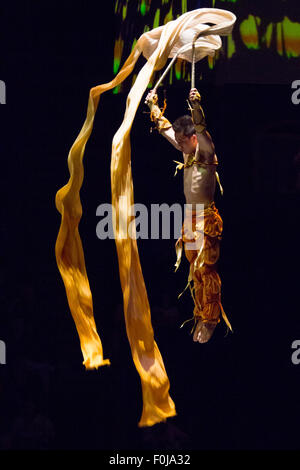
201	236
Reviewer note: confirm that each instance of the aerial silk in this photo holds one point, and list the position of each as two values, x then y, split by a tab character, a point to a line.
156	46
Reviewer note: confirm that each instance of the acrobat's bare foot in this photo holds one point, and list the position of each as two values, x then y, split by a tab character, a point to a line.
204	331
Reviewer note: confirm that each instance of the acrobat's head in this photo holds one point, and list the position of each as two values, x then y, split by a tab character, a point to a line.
185	134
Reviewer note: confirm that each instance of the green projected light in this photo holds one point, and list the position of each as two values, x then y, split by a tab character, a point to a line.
169	15
223	1
286	34
119	44
156	19
252	32
291	37
248	31
145	15
143	8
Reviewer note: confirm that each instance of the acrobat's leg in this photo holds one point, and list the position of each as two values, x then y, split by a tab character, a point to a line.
208	287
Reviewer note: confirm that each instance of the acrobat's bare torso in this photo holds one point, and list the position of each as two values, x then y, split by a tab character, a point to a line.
199	183
199	180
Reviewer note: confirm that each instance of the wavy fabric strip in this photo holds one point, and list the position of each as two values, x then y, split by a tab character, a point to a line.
156	45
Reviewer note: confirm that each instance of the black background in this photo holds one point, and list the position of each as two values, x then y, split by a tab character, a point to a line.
239	391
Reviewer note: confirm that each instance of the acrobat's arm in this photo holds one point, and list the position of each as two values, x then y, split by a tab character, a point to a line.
162	124
206	146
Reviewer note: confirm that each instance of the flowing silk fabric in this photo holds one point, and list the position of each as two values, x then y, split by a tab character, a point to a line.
160	43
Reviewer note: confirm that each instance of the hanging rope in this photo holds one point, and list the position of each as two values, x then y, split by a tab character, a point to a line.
175	57
166	70
193	59
193	66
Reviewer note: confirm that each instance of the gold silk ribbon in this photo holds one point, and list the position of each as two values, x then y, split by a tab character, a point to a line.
156	46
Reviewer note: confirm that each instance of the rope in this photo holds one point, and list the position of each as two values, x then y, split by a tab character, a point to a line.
166	70
193	66
193	59
173	60
175	57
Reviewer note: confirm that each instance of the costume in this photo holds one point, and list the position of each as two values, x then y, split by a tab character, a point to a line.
203	229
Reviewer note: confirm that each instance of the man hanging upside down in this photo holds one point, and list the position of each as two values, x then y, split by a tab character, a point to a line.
202	229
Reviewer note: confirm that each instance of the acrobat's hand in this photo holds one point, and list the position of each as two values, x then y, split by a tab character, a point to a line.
194	96
151	98
156	114
197	111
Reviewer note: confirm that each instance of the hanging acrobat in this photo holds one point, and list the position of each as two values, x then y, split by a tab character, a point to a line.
203	225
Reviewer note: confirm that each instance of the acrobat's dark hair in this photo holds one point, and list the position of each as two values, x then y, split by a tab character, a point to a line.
185	125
